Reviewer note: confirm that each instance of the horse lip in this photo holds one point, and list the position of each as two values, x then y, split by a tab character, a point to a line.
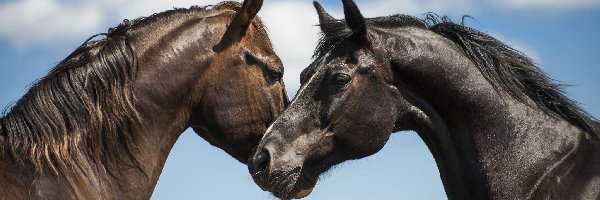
305	189
282	186
299	191
261	180
304	193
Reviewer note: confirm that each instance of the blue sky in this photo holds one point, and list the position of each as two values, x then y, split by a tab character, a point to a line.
562	35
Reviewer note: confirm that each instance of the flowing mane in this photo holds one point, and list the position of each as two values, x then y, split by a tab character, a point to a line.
83	112
506	68
84	106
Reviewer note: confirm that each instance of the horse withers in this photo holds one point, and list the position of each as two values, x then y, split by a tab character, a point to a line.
101	124
496	125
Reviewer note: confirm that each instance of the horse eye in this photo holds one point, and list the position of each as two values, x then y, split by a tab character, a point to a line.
250	59
340	79
277	76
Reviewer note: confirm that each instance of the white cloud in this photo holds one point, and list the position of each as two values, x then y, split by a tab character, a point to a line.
132	9
551	5
28	23
292	29
414	7
31	21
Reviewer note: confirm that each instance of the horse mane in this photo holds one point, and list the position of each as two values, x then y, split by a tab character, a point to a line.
84	106
506	68
202	10
83	111
512	71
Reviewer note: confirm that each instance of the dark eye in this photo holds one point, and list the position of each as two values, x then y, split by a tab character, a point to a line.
276	75
340	79
250	59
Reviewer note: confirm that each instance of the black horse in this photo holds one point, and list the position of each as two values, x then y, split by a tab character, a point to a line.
495	123
101	124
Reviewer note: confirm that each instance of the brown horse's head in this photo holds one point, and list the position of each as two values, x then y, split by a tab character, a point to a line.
241	91
345	109
221	75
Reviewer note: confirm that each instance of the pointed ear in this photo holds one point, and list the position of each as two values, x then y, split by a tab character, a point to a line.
356	21
248	12
326	21
238	27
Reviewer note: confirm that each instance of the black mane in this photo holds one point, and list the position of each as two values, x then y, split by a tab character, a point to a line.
341	32
504	67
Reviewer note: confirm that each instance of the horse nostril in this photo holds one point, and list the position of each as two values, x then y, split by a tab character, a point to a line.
261	161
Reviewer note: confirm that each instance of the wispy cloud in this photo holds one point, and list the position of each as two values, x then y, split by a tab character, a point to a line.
376	8
32	21
29	23
545	5
129	9
415	7
292	29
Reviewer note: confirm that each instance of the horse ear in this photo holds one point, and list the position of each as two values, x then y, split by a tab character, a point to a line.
355	21
248	12
326	21
238	27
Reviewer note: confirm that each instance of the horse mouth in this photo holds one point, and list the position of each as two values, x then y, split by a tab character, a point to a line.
287	185
304	193
294	189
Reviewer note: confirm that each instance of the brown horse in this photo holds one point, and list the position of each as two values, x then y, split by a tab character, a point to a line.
101	124
496	125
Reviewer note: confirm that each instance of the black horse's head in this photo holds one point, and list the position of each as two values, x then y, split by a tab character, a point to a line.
464	92
346	109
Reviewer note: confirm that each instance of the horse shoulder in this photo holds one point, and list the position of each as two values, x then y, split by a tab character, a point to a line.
577	176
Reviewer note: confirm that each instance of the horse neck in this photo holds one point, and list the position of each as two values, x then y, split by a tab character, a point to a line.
486	144
165	116
132	177
165	108
166	84
502	153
